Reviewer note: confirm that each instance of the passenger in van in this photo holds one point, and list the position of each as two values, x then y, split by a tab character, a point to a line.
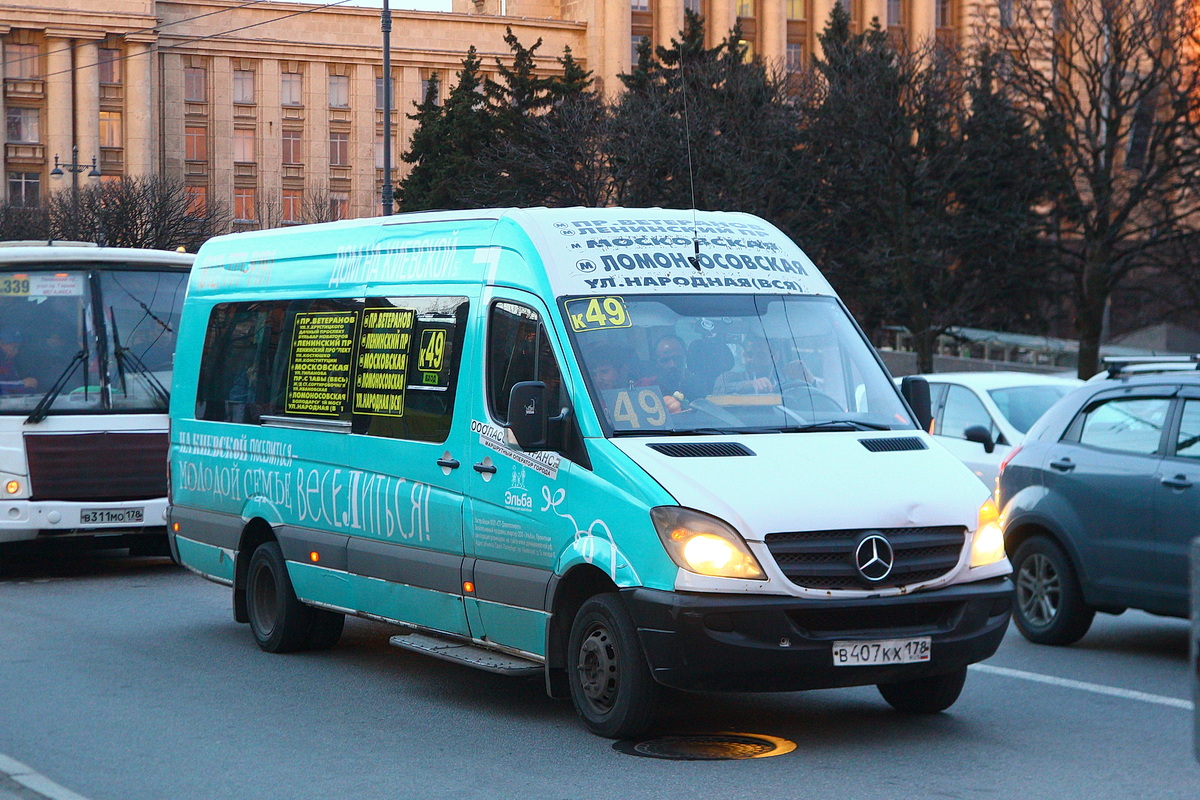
14	377
757	375
671	374
608	368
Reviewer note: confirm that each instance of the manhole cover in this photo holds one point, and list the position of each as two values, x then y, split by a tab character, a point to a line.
707	747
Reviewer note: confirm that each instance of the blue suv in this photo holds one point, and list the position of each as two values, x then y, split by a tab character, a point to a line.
1100	502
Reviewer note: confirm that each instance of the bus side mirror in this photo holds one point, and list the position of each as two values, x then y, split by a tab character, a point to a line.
980	434
915	390
527	414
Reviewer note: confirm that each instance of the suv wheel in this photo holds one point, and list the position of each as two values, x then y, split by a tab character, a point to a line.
1049	607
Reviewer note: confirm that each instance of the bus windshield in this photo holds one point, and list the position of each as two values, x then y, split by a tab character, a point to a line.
87	340
714	364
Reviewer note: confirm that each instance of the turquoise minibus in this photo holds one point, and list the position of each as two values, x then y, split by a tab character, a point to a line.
623	449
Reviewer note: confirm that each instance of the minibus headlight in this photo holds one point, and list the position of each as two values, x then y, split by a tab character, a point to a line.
987	546
704	544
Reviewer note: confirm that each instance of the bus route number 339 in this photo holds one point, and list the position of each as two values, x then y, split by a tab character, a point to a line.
887	651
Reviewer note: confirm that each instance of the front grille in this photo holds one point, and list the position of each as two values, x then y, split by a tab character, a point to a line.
91	467
915	618
825	559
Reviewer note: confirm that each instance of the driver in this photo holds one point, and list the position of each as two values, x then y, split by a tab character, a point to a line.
757	376
13	375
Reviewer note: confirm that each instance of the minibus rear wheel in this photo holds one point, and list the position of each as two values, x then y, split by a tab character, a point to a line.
279	621
611	685
928	695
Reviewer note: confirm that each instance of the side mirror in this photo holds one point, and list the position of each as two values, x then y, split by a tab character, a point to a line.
978	433
527	414
915	390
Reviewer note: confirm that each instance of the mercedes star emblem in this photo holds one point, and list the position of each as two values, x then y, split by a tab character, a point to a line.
874	558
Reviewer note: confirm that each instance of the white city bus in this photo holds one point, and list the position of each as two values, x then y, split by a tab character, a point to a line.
87	339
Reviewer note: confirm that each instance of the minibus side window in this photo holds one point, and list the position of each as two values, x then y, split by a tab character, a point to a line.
519	350
235	370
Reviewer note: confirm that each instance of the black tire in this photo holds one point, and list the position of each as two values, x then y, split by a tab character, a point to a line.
611	685
280	622
1048	605
929	695
326	629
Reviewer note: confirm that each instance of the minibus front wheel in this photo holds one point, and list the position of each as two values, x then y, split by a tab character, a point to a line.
611	685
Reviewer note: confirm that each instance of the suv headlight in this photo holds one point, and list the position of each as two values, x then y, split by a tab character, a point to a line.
987	545
703	544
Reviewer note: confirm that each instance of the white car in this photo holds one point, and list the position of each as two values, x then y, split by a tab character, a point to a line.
981	416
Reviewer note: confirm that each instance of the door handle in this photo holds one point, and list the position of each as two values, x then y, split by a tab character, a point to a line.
448	463
481	468
1178	482
1063	465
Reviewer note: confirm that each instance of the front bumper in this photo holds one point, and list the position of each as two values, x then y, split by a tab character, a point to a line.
32	519
716	642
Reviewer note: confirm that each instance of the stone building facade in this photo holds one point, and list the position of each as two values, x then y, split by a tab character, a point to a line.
261	105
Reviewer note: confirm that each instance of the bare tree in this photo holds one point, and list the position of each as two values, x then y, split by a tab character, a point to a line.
319	205
1113	87
145	211
19	223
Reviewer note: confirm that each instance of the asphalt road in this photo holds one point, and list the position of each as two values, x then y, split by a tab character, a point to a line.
127	679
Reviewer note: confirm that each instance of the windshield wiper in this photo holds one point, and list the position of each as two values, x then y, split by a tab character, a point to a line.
837	425
679	432
42	409
124	354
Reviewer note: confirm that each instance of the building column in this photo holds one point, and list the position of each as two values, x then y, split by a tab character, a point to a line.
821	9
4	29
220	142
772	36
170	140
59	131
87	101
668	21
722	16
140	141
362	142
617	24
922	24
268	147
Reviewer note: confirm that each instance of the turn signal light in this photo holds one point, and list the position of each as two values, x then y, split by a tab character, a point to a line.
12	487
314	556
468	587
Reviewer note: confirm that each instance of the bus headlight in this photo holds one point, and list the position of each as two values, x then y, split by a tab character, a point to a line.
12	487
703	544
987	545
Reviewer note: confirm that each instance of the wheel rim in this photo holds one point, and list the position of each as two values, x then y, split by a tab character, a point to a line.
265	600
599	668
1039	590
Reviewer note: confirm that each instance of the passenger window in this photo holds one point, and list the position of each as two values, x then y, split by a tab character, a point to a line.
1128	424
519	350
962	410
387	366
1188	443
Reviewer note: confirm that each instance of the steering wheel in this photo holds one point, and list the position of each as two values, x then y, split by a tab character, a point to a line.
805	395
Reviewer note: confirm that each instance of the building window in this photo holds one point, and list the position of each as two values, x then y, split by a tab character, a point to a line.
110	65
640	5
944	14
795	56
379	153
291	89
23	125
195	142
243	145
339	91
24	189
693	6
293	147
796	10
895	13
379	94
110	129
1006	13
243	204
339	149
339	204
425	79
293	203
195	84
635	42
197	197
21	62
243	86
745	8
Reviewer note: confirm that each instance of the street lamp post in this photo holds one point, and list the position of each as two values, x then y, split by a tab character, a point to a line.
74	168
385	25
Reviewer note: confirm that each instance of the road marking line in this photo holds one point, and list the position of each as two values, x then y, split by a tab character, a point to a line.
39	783
1096	688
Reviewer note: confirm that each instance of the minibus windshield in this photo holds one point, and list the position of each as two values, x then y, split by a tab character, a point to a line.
87	340
714	364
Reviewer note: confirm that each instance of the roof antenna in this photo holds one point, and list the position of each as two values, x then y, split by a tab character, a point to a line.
694	260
